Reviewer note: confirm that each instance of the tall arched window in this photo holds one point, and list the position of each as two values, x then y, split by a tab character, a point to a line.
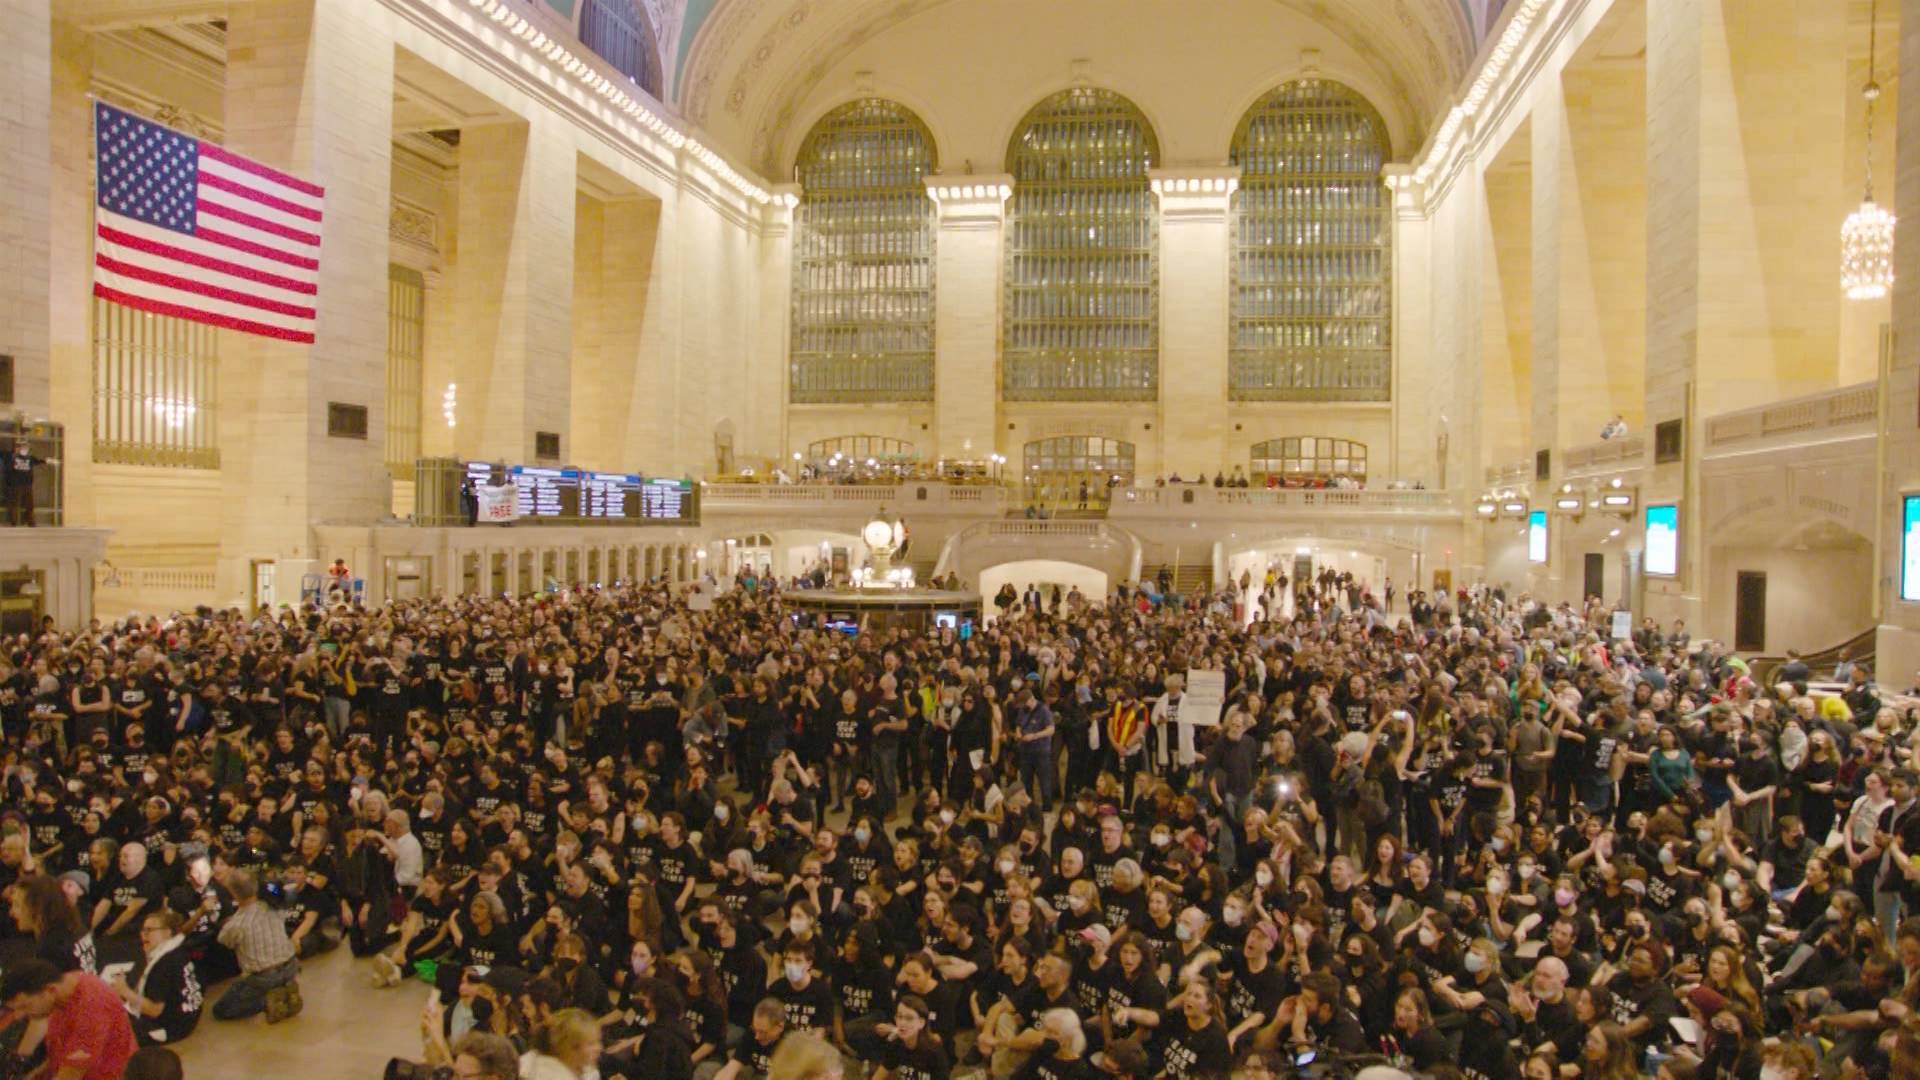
1082	273
1312	264
863	258
620	34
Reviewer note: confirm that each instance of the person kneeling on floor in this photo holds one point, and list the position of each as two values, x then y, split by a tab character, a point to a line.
268	967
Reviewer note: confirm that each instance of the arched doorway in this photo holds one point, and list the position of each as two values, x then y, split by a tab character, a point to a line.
1070	473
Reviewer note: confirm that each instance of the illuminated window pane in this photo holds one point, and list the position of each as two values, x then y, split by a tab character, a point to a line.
1312	259
863	258
406	332
1304	461
1054	469
860	448
1082	274
618	32
155	388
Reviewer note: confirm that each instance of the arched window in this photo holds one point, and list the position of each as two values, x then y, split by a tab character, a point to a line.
1082	273
1312	265
860	448
1307	461
621	35
1055	470
863	258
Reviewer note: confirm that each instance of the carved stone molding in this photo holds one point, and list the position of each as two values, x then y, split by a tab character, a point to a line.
415	226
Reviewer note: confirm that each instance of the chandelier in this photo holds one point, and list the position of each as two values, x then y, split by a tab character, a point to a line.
1866	237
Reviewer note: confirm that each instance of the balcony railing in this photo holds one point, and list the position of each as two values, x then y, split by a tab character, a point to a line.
903	497
1365	500
1625	452
1512	474
1833	410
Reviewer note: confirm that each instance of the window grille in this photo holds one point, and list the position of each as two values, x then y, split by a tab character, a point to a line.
863	258
1312	260
1082	266
406	336
1307	459
1054	469
860	448
618	32
155	389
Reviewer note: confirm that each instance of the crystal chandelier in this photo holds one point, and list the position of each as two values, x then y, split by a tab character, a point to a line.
1866	237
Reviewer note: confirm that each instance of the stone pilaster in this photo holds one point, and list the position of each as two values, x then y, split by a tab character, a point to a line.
1194	307
966	312
26	85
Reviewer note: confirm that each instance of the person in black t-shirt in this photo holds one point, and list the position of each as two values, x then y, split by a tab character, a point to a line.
911	1051
754	1055
807	999
1192	1043
165	997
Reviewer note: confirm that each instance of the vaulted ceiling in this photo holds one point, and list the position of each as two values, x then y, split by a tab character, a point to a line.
745	70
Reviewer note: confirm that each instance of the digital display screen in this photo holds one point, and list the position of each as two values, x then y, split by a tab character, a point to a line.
1537	536
948	619
1663	540
1910	547
545	494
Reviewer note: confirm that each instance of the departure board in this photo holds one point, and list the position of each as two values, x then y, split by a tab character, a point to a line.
544	494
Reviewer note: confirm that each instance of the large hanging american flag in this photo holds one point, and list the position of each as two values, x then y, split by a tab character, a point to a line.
185	228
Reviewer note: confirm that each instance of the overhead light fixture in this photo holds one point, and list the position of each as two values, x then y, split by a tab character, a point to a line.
1515	507
1866	237
1486	509
1618	500
1567	503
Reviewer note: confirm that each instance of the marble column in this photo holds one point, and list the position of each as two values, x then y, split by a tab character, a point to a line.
1195	247
966	313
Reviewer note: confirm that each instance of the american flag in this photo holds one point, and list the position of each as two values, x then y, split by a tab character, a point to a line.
185	228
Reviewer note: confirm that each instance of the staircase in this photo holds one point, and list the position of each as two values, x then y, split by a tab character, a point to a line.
1859	648
1189	579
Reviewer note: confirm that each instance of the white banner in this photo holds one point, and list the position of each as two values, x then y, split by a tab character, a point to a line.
498	504
1205	696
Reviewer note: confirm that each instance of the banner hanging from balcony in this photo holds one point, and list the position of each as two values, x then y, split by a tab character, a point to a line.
188	229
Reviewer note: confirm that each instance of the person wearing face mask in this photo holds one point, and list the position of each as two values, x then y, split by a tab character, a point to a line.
808	1000
582	984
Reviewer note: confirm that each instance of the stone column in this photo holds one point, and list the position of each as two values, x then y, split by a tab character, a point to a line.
69	303
309	91
768	382
513	287
26	85
1194	309
1898	641
1746	139
966	313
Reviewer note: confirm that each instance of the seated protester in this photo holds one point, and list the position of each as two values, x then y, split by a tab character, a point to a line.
1135	997
753	1057
862	985
481	934
1192	1043
992	1000
164	997
427	930
808	1000
1544	1010
911	1051
946	1004
583	986
1316	1016
1253	987
133	889
964	951
312	924
1413	1039
1059	1050
663	1050
1484	1046
706	995
1642	1001
42	908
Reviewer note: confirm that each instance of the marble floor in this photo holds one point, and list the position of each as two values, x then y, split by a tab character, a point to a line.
347	1030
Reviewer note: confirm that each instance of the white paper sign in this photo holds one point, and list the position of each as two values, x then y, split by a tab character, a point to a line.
1205	695
1622	625
498	504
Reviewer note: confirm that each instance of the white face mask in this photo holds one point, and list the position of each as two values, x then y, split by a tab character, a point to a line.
862	835
1161	840
1263	878
1232	916
798	925
721	813
1496	886
1834	914
1703	835
1666	856
794	972
1181	932
1475	963
1499	844
1772	1072
1005	866
1076	904
1728	880
946	817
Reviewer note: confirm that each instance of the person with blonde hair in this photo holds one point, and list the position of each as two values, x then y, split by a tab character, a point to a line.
566	1047
801	1056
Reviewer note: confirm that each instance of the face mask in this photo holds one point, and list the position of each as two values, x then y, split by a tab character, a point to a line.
722	813
1263	878
1076	905
1728	880
1772	1072
1705	836
1666	857
1525	872
946	817
1161	840
862	835
1834	914
794	972
798	925
1232	916
1495	886
1005	866
1428	938
149	776
642	966
1475	963
1564	897
1499	844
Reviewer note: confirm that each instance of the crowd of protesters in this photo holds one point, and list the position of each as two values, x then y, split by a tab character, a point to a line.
621	837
